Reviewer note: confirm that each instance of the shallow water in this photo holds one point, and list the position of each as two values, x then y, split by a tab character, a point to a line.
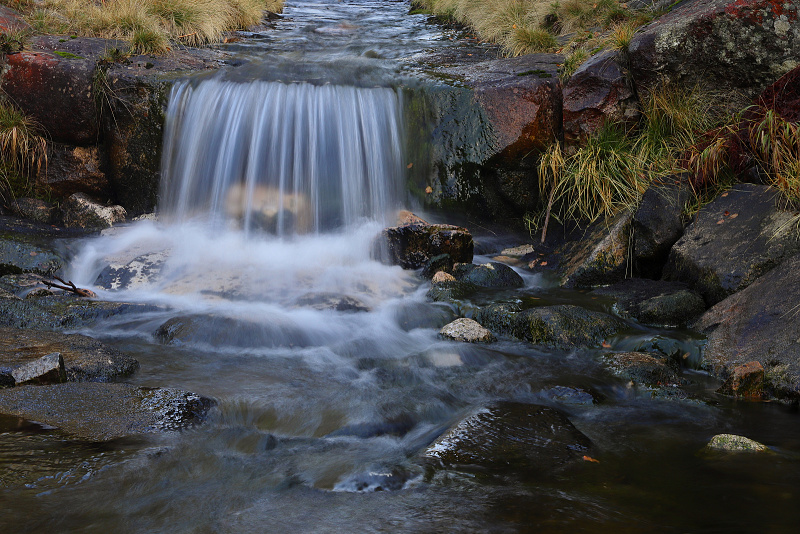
319	408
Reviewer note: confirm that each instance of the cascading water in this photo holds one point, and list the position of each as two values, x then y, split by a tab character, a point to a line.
285	158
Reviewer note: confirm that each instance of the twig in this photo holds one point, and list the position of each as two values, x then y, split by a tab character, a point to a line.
69	286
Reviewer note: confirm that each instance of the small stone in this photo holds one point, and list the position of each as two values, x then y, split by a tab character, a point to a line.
747	380
517	252
734	443
466	330
48	369
442	277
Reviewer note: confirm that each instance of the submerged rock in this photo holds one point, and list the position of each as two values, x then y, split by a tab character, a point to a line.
511	437
85	359
734	443
217	331
466	330
101	412
332	301
655	302
644	369
137	272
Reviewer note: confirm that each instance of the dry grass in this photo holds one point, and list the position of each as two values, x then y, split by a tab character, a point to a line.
23	150
152	26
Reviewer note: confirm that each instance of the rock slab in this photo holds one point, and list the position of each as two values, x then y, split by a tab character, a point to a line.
467	330
412	246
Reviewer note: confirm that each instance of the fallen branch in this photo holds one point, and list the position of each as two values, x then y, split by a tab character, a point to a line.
69	286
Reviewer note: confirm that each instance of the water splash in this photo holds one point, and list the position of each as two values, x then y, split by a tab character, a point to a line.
281	158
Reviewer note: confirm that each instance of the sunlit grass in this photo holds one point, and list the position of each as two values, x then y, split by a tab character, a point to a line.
23	151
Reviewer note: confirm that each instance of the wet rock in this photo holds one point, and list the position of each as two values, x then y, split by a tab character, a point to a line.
733	241
22	254
746	381
562	326
758	324
598	93
657	224
423	315
466	330
412	245
644	369
741	45
441	263
655	302
734	443
445	288
493	275
79	211
377	478
21	285
226	332
74	169
396	426
511	437
34	209
84	358
332	301
571	395
601	257
101	412
49	369
137	272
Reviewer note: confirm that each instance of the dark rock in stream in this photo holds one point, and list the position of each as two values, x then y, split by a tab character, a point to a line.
493	275
332	301
85	359
758	324
658	223
732	242
411	246
746	381
445	288
511	437
49	369
655	302
219	331
27	254
644	369
101	412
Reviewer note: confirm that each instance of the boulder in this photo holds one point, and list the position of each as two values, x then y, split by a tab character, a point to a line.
733	45
74	169
79	211
34	209
644	369
657	224
412	245
84	359
655	302
49	369
758	324
466	330
599	92
441	263
734	443
562	326
12	21
24	254
601	257
733	241
493	275
511	437
137	272
445	288
746	380
102	412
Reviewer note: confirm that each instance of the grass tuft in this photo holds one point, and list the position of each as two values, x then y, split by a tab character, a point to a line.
23	150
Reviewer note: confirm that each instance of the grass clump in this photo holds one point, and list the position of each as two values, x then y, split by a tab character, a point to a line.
23	150
152	26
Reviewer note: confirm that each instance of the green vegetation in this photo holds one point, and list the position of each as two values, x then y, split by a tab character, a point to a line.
152	26
23	150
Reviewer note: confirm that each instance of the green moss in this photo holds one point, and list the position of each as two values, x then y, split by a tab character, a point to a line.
538	72
67	55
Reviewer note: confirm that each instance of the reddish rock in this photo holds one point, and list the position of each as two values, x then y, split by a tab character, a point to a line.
74	169
597	93
746	381
729	44
11	21
412	245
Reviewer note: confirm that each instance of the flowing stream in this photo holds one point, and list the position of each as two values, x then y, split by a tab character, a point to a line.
326	365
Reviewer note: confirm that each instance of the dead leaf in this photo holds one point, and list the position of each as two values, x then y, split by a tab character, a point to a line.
685	355
543	264
606	345
720	221
724	195
409	165
590	459
726	213
734	215
429	190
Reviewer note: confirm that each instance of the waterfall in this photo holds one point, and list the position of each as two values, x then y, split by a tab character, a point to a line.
282	158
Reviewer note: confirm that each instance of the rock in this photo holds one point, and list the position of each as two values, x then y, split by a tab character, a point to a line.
133	120
413	315
561	326
437	264
406	217
24	254
644	369
746	381
33	209
56	91
332	301
602	257
758	324
466	330
12	21
733	45
102	412
655	302
657	224
510	437
79	211
491	275
84	359
48	369
572	396
74	169
598	93
734	443
138	272
412	245
214	331
445	288
733	241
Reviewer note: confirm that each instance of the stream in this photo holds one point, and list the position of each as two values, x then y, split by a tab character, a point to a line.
278	176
